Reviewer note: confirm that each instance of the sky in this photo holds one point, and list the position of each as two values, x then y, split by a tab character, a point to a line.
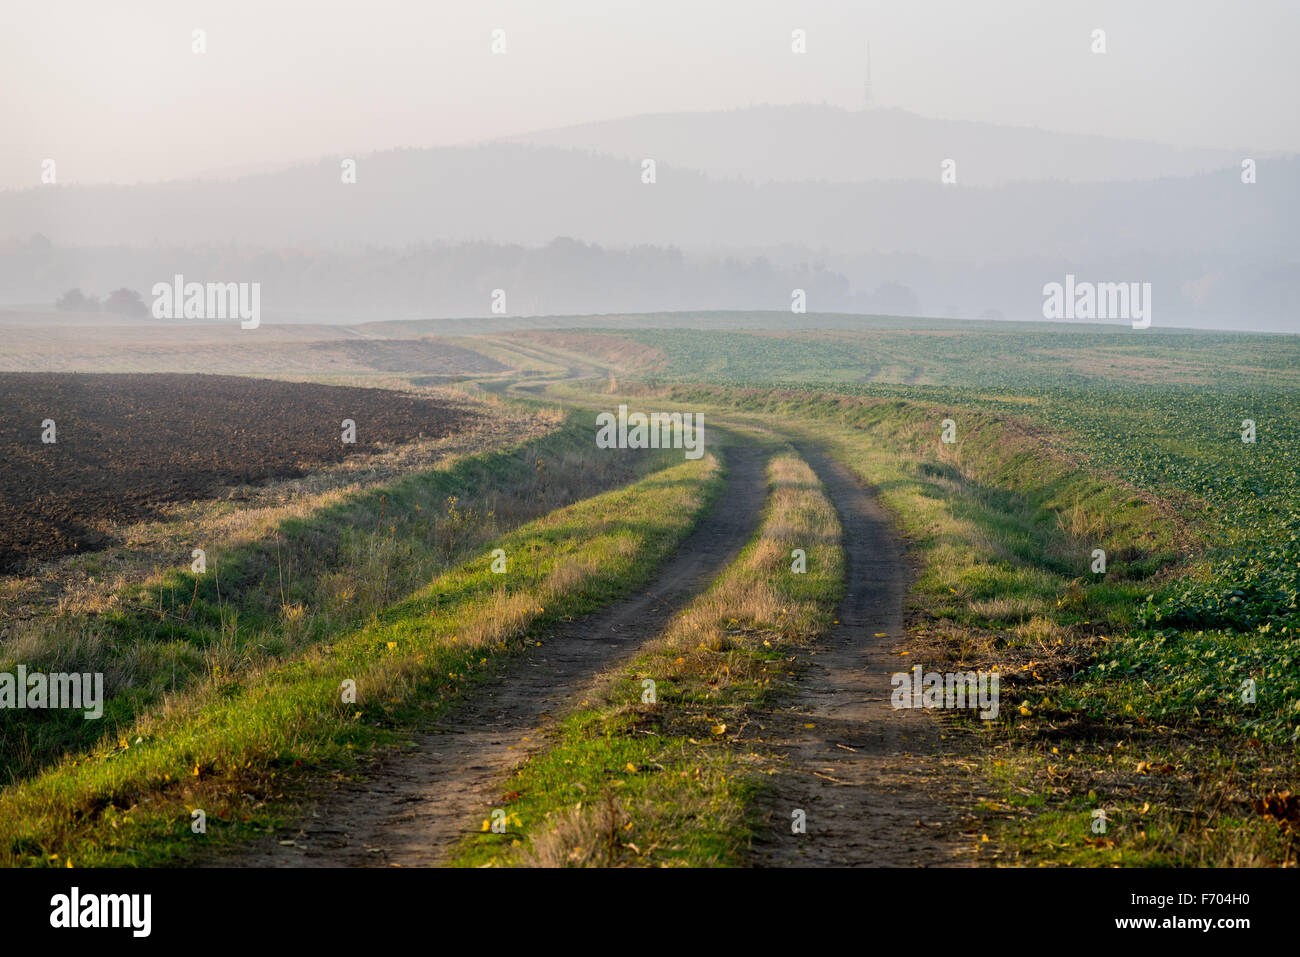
114	93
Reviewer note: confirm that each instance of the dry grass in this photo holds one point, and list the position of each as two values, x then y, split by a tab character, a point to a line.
585	835
91	584
349	553
622	353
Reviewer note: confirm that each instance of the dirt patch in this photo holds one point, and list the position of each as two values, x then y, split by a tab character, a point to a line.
100	343
419	804
405	356
127	443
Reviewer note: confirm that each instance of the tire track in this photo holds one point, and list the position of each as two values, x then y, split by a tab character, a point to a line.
858	772
417	805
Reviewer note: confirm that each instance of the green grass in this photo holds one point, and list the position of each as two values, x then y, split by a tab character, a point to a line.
245	750
1202	532
309	579
1003	524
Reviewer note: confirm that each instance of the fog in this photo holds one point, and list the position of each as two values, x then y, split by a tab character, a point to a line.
985	151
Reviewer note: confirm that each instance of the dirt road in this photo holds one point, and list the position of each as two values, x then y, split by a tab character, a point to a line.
419	804
865	775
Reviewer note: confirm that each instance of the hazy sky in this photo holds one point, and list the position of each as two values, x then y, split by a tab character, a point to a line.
113	92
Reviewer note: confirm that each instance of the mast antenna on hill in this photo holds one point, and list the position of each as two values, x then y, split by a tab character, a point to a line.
866	99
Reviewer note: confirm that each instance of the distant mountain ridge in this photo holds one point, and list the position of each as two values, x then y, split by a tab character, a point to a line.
513	193
571	229
827	143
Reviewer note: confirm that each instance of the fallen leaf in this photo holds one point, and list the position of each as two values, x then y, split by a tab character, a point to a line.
1282	806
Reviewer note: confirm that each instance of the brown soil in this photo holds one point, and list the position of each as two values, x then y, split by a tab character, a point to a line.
126	443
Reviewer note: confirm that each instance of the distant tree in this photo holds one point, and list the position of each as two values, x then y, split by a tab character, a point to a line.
73	301
895	299
125	302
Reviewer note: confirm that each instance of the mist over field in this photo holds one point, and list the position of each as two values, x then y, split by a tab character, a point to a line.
428	233
868	205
